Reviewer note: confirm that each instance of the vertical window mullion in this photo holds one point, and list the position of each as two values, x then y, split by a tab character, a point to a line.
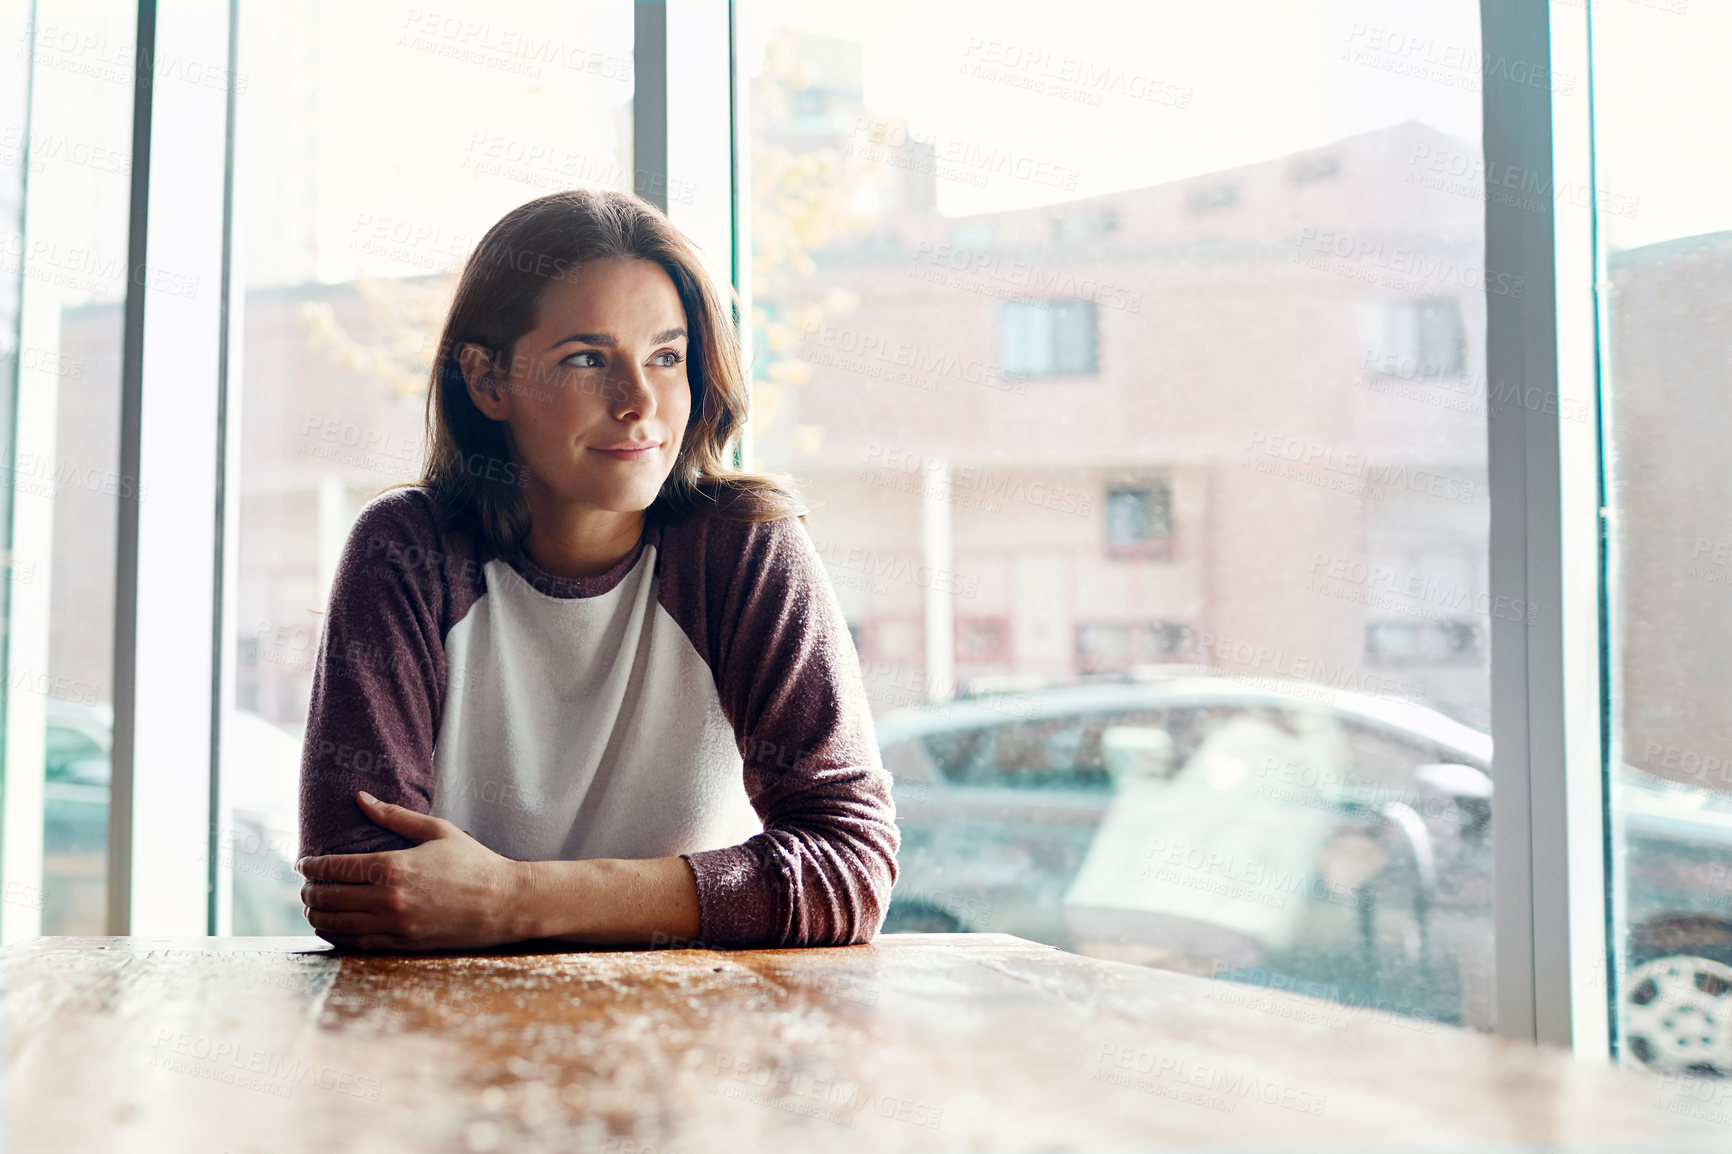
24	642
1585	672
1548	875
226	505
649	101
166	592
684	105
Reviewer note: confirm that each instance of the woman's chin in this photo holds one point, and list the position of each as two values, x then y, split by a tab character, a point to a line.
631	497
622	505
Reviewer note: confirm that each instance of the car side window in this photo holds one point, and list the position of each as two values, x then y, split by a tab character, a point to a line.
1383	759
1190	725
952	752
1037	754
1048	752
67	747
1044	753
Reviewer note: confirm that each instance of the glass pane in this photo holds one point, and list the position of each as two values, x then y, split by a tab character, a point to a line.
74	157
1025	339
349	239
1665	229
1185	384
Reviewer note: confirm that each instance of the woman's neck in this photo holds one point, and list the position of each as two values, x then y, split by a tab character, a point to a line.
582	542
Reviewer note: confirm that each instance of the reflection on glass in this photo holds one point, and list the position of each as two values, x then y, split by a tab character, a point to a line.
349	240
75	158
1143	418
1666	233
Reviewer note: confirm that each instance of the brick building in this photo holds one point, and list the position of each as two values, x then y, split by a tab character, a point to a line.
1236	419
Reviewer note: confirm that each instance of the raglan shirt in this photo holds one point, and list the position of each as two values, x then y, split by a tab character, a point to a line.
701	698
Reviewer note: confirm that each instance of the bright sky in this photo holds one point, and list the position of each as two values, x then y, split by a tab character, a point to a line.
1269	77
1663	116
1261	78
1265	78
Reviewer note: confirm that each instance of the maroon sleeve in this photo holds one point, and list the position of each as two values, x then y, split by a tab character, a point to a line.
379	686
758	605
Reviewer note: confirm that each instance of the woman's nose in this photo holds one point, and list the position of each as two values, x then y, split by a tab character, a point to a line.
634	392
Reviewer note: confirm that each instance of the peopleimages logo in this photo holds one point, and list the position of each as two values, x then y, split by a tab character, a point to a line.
1470	174
975	481
1119	1065
1384	586
1349	471
859	350
1316	248
1457	65
984	267
958	159
1037	69
251	1067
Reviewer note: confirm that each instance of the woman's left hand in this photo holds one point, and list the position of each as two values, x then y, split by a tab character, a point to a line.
448	892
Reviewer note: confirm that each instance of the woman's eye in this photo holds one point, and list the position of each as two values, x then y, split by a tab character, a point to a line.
667	359
584	360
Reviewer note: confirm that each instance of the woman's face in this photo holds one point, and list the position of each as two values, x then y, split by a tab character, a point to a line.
604	367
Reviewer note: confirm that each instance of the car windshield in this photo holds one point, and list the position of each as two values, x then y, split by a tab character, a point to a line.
1044	753
1294	750
68	748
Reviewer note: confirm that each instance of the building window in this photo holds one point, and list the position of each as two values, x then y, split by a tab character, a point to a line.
1103	647
1414	339
972	236
1167	638
1212	198
1087	225
1313	166
896	639
1139	520
1115	646
1050	338
982	641
1424	641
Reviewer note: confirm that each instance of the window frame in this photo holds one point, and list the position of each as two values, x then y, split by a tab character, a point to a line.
1547	676
175	423
1163	548
1050	308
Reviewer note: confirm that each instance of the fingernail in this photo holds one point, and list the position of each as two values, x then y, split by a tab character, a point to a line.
369	798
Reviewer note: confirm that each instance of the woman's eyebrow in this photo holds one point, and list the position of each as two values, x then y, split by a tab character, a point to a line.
606	341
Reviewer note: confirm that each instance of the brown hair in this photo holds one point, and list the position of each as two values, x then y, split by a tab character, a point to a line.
546	239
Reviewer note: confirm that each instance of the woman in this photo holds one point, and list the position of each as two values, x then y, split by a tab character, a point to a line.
586	681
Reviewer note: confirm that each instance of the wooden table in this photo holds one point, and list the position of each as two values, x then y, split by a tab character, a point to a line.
918	1042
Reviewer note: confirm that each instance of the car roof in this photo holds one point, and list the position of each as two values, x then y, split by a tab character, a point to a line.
996	708
93	721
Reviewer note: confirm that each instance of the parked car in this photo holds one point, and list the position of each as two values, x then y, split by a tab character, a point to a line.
256	848
1283	834
1279	834
75	818
1677	989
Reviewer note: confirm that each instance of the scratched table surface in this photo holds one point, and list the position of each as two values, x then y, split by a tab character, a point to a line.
916	1042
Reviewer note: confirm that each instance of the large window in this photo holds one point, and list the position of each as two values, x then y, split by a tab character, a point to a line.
1120	334
352	239
345	240
65	170
1666	251
1148	355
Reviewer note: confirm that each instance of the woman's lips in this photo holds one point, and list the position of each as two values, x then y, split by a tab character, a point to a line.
644	454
